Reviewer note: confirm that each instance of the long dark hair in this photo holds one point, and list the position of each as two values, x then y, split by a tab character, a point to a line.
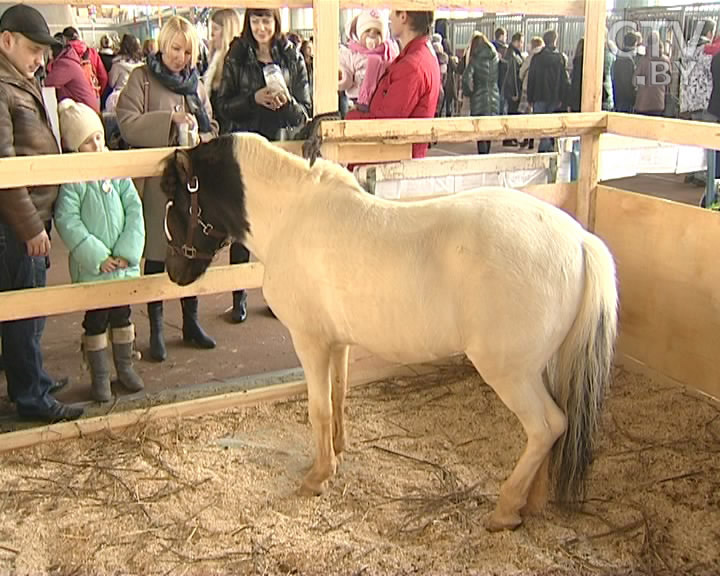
131	48
247	34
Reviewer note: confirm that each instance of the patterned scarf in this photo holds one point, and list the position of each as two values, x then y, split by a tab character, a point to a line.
185	83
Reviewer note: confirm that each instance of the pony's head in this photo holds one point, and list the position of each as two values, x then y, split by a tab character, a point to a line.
205	207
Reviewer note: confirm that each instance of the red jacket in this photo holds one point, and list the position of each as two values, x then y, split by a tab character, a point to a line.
80	48
66	75
409	88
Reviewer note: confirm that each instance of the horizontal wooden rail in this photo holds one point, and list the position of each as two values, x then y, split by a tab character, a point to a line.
143	416
439	166
61	168
540	7
684	132
67	298
464	129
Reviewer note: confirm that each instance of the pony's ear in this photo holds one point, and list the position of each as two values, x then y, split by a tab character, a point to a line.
312	135
176	174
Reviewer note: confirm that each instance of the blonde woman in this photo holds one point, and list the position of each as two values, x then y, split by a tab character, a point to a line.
225	25
161	99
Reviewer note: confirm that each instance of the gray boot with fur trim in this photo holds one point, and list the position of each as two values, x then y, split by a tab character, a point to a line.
95	348
123	340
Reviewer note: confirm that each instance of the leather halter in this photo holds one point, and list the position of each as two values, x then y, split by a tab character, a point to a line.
188	249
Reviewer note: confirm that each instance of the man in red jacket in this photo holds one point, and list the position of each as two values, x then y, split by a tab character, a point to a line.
411	85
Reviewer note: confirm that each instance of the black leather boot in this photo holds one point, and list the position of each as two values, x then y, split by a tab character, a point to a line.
239	309
157	338
192	332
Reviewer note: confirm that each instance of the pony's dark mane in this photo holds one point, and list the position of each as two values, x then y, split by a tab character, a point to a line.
222	190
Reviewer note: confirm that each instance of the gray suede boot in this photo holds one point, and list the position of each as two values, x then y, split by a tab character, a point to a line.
122	345
95	348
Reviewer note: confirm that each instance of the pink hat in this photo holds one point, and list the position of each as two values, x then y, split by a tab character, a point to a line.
369	19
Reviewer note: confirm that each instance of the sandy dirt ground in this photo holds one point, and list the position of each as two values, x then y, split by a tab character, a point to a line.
216	494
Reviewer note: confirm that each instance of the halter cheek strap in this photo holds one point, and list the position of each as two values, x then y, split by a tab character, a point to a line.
188	249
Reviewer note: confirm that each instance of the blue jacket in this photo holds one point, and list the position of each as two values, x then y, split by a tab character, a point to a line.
97	220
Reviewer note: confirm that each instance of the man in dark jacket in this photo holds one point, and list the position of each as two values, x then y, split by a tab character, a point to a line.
25	213
548	83
501	47
512	85
623	72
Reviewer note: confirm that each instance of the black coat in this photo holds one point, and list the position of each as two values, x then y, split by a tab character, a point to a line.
512	85
624	91
235	106
548	79
714	105
575	97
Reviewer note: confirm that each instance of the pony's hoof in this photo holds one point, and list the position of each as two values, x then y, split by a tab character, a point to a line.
496	522
308	489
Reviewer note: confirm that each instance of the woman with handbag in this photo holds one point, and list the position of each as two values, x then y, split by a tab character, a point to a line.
162	102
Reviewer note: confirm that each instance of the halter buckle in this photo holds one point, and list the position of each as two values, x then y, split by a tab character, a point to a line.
189	252
193	185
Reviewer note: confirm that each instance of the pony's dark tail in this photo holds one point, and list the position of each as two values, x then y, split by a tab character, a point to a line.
580	372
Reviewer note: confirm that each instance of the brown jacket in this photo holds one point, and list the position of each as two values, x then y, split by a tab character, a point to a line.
153	128
24	131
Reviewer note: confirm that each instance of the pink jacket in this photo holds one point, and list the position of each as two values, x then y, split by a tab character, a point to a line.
80	48
362	69
66	75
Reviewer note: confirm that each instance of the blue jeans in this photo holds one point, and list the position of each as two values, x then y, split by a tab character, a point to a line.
546	144
27	382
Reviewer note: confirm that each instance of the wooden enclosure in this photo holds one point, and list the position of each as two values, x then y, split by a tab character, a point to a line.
665	252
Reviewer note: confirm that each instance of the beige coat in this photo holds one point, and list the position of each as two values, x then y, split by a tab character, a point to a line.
153	128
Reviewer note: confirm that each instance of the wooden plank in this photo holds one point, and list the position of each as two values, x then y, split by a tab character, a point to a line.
326	40
593	65
463	129
68	298
361	371
669	298
544	7
364	152
539	7
61	168
561	195
435	166
685	132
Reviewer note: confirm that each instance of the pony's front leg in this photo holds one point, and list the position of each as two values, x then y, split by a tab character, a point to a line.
315	359
339	372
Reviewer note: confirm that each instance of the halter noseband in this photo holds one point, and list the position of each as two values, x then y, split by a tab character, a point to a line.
188	249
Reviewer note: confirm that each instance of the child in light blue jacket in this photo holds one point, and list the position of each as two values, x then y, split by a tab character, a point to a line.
101	223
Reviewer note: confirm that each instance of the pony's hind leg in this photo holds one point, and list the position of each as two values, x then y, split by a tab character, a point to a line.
543	422
338	374
314	356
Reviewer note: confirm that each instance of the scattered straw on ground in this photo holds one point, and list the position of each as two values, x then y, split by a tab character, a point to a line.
215	494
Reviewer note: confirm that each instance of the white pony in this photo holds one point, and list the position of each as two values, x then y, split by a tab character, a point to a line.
511	281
